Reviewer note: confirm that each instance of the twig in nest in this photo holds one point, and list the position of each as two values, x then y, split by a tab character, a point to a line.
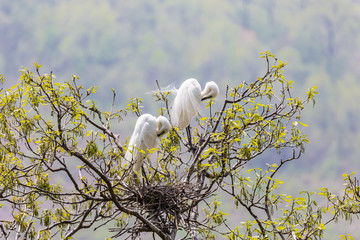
164	205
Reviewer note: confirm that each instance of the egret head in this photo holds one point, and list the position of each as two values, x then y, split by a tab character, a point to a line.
211	90
162	126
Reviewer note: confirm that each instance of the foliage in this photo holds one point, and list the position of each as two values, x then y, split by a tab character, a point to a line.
108	42
217	40
348	204
62	169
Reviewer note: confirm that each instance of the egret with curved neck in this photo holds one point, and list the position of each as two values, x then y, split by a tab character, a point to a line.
147	133
187	102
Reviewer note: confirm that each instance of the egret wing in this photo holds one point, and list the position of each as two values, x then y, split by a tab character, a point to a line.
187	102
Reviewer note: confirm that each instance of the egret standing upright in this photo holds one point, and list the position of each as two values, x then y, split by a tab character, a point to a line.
187	102
147	132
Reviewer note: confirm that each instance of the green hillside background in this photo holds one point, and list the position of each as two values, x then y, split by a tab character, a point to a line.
128	45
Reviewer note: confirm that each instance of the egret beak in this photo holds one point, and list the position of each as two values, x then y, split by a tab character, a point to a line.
205	98
161	133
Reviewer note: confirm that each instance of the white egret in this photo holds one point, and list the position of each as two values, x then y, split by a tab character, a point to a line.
187	102
147	132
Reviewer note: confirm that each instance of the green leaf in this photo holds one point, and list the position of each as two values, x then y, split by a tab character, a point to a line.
305	125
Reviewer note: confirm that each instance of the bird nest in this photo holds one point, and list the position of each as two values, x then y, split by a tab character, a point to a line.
165	206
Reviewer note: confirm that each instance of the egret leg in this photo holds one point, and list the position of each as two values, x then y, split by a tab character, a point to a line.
143	172
188	133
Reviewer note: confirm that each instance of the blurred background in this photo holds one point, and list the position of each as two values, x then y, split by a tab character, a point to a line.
128	45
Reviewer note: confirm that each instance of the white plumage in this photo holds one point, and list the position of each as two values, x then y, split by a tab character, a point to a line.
147	132
187	101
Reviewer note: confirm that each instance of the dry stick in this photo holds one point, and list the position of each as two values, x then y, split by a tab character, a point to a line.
3	231
80	225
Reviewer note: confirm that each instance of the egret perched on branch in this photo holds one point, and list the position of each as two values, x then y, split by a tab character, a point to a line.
187	102
146	136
